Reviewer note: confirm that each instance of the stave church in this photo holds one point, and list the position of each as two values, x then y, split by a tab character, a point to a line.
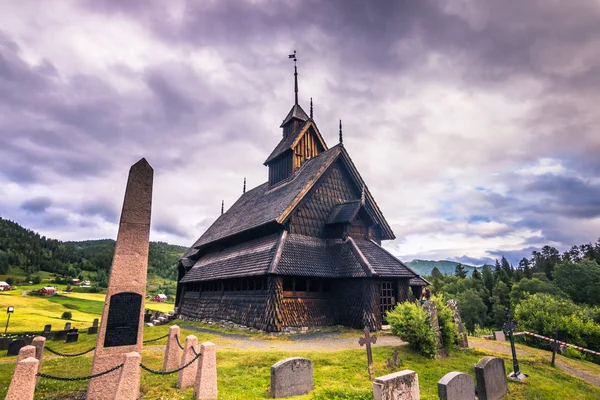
302	250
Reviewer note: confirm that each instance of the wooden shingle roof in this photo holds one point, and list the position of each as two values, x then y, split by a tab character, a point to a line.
290	141
384	263
344	212
418	281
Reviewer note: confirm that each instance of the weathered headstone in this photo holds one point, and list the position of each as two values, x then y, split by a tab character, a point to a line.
47	333
47	328
392	362
72	336
172	355
500	336
491	378
291	377
67	326
22	385
121	325
15	346
431	310
60	335
403	385
93	330
187	376
205	387
463	341
456	386
367	340
95	323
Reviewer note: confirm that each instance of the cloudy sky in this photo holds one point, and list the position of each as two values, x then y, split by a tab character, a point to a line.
474	124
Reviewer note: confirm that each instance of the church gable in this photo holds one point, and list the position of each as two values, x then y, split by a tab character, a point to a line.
307	145
335	187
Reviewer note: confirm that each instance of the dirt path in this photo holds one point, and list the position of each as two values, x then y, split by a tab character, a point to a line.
499	348
307	342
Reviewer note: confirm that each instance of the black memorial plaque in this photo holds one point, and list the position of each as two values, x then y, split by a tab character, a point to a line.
123	319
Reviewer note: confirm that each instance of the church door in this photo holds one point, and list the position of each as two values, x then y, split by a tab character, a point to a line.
387	298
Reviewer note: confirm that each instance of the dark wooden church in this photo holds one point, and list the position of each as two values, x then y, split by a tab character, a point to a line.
301	250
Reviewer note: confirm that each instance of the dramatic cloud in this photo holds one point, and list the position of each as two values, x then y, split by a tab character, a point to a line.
473	123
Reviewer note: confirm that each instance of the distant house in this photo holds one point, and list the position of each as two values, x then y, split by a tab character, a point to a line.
86	283
4	286
161	298
48	291
75	281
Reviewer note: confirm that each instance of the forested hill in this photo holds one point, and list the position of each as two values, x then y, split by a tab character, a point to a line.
24	248
424	267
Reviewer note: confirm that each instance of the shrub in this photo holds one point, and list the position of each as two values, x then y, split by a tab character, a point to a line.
67	315
37	279
448	328
411	323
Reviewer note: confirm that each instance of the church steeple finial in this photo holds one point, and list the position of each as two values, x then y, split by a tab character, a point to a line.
362	195
244	191
295	77
311	109
222	206
341	137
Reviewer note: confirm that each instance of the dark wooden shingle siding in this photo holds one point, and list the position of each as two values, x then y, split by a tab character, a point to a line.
333	188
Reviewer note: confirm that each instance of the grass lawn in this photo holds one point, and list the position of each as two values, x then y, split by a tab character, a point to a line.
245	374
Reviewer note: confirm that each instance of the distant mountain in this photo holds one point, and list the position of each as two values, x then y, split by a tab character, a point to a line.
424	267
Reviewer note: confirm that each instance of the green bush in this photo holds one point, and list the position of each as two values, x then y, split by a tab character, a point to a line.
411	323
448	328
67	315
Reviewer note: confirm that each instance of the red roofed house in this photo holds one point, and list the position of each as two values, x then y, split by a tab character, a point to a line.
48	290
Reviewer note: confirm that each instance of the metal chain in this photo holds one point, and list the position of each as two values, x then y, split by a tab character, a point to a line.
172	371
178	342
79	378
194	350
69	355
155	339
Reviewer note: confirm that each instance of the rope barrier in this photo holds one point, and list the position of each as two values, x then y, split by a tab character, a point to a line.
68	355
596	353
155	339
79	378
178	342
172	371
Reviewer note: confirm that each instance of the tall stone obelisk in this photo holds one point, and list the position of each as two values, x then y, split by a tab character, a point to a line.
122	326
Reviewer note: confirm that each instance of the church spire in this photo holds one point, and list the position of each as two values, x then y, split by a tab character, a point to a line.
293	56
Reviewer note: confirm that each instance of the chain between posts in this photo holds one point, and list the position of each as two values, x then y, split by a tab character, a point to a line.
155	339
178	342
68	355
172	371
79	378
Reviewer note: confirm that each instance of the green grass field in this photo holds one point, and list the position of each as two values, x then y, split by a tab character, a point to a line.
245	374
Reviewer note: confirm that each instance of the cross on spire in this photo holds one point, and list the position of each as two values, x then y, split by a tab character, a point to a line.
293	56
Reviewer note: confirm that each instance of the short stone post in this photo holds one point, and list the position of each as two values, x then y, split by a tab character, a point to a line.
22	385
39	342
26	352
403	385
187	376
205	387
172	356
128	387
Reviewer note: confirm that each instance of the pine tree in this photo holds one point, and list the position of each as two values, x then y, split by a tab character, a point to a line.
460	271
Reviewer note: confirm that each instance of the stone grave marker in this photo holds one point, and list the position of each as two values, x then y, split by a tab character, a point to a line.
431	309
291	377
122	322
403	385
15	346
367	340
463	341
491	378
67	326
47	328
500	336
456	386
392	362
93	330
60	335
72	336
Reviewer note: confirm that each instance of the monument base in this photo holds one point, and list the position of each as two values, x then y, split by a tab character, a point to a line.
521	377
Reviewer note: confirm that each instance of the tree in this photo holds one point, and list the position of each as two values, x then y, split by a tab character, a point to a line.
527	287
579	280
460	271
506	267
502	291
476	275
472	309
37	279
525	266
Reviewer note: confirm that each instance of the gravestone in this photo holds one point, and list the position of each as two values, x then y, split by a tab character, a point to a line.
431	310
291	377
366	341
72	336
463	341
500	336
121	325
456	386
60	335
491	378
93	330
47	328
403	385
15	346
67	326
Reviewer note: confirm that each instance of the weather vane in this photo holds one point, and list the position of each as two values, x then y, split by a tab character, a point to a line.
293	56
